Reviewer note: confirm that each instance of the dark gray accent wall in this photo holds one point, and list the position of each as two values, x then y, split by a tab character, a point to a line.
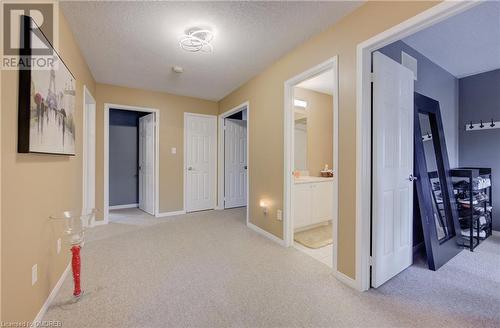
123	157
435	82
480	100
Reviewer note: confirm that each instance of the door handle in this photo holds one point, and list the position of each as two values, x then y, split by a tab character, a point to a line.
246	167
190	168
412	178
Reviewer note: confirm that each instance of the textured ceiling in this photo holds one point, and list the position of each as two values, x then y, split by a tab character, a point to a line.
465	44
135	44
321	83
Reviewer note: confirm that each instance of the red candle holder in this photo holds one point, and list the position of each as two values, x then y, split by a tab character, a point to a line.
75	223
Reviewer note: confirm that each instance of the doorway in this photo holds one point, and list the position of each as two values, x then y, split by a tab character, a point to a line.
233	189
370	198
131	144
89	147
311	162
200	162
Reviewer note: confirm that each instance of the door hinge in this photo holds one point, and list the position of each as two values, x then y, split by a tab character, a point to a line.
370	260
372	77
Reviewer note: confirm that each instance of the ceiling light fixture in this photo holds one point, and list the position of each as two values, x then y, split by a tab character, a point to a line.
197	39
300	103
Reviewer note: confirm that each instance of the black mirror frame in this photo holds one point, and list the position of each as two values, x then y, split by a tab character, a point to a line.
438	251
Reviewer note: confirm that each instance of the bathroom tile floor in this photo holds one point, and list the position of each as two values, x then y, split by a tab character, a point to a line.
323	254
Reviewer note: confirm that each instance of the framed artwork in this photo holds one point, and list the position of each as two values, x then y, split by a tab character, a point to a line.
46	100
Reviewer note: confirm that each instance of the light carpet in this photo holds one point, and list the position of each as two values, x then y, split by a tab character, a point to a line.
208	269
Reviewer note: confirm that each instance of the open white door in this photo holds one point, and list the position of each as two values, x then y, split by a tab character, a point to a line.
235	163
89	162
392	192
200	161
147	163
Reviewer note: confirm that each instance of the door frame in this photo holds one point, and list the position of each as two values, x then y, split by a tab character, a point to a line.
330	64
214	172
220	157
88	99
414	24
156	112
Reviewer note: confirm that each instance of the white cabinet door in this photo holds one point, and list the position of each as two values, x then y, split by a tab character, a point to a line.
392	165
322	202
302	205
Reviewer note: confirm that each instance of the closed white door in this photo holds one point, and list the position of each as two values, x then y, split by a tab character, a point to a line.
200	161
89	165
147	128
392	218
235	163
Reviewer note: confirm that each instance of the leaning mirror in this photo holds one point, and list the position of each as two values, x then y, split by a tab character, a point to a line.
434	186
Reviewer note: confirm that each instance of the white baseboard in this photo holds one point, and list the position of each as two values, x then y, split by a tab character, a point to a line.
346	280
96	223
164	214
52	295
495	233
121	207
266	234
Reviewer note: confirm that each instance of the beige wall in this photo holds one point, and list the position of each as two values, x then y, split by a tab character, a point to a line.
319	129
172	109
265	94
33	187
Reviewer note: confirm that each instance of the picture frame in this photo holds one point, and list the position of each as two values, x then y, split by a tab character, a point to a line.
46	99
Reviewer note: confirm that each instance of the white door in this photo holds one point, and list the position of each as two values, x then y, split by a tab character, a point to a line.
147	128
89	165
235	163
200	161
392	193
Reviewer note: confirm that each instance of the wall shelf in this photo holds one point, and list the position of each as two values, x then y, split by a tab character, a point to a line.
486	125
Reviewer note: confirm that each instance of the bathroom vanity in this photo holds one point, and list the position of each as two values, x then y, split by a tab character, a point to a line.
313	201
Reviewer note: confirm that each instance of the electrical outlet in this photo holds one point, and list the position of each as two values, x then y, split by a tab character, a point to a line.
279	215
34	274
58	245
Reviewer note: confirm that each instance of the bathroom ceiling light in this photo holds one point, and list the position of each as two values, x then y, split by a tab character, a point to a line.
197	39
300	103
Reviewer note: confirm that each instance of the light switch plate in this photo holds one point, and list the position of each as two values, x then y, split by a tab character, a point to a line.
173	150
34	274
279	215
58	245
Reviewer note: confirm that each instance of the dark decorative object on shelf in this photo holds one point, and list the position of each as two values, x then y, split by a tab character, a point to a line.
436	202
46	99
473	192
